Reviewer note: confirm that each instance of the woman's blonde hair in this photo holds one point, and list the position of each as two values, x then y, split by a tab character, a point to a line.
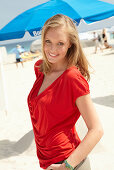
75	55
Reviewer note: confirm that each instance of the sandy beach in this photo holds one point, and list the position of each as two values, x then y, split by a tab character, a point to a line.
17	147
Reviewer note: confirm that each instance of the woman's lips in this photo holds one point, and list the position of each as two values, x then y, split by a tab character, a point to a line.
53	55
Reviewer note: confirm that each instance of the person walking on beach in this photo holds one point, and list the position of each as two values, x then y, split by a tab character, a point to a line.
18	51
98	42
59	96
105	40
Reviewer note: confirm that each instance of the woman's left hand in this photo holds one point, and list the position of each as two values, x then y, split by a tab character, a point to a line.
56	167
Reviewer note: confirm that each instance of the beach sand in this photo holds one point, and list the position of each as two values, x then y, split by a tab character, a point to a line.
17	147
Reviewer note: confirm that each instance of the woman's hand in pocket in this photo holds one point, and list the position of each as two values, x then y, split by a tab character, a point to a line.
57	167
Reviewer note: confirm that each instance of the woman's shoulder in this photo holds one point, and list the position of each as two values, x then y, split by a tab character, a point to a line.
37	67
38	63
74	75
77	81
73	72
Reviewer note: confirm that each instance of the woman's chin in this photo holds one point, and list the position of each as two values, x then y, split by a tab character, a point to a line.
52	60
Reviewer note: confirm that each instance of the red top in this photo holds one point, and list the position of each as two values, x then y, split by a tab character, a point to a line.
54	114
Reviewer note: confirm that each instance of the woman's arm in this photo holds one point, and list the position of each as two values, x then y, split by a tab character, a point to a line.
94	134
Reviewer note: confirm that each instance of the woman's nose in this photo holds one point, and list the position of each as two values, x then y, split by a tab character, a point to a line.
53	48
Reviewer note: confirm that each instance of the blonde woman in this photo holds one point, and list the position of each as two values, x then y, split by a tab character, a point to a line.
59	96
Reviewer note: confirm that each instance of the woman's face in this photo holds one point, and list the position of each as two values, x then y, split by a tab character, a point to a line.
56	44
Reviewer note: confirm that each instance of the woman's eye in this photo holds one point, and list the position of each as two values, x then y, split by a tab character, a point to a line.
60	43
47	41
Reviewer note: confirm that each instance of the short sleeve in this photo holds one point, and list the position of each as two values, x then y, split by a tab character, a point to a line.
80	86
37	68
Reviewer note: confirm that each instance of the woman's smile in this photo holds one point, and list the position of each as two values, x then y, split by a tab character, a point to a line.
53	55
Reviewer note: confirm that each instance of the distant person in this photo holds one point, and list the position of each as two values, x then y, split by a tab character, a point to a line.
113	35
59	96
105	41
18	51
98	41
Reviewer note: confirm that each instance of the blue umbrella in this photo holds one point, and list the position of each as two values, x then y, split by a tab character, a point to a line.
33	19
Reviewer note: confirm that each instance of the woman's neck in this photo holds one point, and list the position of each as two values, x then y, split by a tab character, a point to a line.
59	67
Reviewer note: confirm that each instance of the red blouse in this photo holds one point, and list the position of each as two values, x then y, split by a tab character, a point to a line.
54	114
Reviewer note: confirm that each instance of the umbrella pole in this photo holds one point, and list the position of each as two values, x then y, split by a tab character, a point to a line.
3	94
